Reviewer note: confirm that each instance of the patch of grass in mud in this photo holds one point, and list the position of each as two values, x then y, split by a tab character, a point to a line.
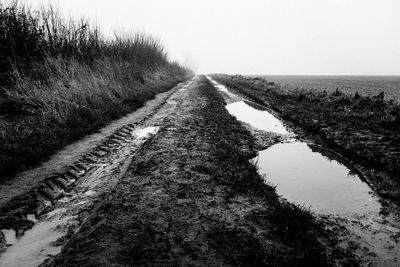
364	129
292	227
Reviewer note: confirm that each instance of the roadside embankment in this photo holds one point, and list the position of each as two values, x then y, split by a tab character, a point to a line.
365	130
61	79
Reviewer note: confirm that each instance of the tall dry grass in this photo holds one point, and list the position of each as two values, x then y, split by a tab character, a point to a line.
60	78
28	37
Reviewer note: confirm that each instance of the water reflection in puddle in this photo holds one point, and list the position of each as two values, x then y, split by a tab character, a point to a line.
306	177
224	90
260	119
32	248
146	131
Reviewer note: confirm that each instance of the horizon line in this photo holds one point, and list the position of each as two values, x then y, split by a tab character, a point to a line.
395	75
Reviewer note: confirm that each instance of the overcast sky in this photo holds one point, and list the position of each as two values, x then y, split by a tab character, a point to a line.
304	37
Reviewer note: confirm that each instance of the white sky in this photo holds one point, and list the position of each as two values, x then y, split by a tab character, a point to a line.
305	37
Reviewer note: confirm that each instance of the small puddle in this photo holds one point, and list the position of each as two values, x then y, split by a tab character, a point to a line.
224	90
261	119
32	248
144	132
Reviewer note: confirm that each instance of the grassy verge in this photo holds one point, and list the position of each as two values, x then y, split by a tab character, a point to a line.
364	129
61	78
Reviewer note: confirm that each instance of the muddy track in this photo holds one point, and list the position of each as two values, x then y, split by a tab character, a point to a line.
190	197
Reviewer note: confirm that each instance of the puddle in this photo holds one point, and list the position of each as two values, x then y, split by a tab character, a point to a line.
220	86
141	133
261	119
258	118
223	89
32	249
310	179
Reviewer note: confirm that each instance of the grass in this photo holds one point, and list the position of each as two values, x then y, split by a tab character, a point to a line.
61	78
29	37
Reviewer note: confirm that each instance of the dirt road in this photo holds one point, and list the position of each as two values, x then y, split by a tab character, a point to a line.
174	205
170	185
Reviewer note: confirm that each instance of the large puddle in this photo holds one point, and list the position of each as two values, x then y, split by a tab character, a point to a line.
33	248
308	178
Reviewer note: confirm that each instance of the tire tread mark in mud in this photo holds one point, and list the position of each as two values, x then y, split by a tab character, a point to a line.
41	198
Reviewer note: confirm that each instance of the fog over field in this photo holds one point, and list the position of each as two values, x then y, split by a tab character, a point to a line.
311	37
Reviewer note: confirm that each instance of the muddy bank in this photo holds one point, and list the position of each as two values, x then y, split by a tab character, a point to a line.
191	197
365	130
